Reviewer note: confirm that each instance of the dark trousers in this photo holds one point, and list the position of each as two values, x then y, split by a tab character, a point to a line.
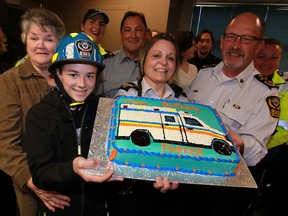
141	198
8	200
272	177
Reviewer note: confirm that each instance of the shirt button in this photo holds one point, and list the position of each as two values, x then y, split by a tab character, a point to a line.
241	81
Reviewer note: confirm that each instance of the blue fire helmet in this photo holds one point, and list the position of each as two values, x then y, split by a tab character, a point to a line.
76	48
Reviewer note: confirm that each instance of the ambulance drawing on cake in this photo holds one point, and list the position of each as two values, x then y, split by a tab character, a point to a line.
142	123
169	135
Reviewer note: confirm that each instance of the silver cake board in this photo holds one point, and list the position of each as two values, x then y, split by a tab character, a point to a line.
97	151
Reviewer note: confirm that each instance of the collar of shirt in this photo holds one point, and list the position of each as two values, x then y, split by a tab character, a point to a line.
146	90
240	78
26	69
123	57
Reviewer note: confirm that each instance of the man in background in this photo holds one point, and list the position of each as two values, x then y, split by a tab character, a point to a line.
273	185
124	67
94	24
203	57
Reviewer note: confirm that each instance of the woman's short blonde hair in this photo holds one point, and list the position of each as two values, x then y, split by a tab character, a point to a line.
43	18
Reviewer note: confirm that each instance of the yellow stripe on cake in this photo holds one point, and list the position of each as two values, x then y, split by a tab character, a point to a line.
207	133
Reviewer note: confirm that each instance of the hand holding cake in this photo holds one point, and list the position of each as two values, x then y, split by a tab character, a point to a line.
237	141
163	184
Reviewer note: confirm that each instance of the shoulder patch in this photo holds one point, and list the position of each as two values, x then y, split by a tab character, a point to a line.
209	65
129	85
265	81
273	103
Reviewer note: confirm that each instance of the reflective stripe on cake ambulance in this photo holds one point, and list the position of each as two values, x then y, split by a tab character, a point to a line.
167	125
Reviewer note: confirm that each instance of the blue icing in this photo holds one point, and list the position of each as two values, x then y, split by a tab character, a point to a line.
129	150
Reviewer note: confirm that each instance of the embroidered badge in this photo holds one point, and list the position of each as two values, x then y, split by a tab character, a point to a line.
84	49
273	103
264	80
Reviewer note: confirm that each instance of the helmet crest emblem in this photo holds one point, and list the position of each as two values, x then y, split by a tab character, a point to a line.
84	49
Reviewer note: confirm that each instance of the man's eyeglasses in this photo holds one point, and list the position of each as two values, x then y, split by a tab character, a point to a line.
245	39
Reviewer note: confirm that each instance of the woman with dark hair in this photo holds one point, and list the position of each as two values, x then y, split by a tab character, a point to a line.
159	61
186	72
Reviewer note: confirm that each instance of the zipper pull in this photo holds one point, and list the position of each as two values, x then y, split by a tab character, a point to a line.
79	149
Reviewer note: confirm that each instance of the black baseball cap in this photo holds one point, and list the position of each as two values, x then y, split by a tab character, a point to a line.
93	12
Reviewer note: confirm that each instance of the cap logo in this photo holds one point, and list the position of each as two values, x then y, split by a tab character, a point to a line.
84	49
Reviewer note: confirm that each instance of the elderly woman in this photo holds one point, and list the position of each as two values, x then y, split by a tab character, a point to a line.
20	88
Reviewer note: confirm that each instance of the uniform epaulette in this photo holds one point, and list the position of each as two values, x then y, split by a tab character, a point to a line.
105	53
129	85
108	54
177	90
209	65
265	81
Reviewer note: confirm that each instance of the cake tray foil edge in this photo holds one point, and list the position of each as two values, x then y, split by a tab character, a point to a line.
97	151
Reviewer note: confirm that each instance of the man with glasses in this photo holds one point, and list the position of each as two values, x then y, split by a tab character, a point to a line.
247	104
